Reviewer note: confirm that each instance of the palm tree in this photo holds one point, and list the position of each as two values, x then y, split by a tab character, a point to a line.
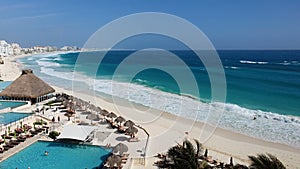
185	156
263	161
239	166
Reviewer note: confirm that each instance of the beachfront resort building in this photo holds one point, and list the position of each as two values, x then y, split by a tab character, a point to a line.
69	48
13	49
5	48
17	50
27	87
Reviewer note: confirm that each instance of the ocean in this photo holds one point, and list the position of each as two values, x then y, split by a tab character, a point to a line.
264	84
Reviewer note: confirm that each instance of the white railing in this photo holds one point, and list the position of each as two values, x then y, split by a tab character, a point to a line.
129	164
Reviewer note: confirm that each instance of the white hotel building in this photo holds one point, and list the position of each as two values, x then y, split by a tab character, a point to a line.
7	49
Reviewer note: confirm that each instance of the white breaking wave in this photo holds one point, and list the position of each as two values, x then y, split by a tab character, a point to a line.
252	62
47	64
262	63
62	75
141	80
65	75
268	126
44	55
57	59
46	59
231	67
247	61
290	63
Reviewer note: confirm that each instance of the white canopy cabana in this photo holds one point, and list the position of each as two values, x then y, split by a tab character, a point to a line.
76	132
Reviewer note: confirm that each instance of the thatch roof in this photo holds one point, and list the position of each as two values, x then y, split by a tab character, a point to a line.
120	119
128	123
131	130
28	86
104	112
114	159
121	148
111	115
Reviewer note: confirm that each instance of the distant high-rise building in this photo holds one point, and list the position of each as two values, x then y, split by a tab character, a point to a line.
17	50
5	49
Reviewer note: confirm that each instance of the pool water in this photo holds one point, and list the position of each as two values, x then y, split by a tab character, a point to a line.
4	84
12	104
6	118
60	156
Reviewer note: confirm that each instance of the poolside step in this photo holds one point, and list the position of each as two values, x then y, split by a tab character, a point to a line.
73	146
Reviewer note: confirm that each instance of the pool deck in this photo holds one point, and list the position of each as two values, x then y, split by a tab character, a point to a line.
21	146
104	134
27	120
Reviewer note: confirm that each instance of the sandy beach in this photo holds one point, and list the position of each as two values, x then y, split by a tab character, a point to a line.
10	70
167	130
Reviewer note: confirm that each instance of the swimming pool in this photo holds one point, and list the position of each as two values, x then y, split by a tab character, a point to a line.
4	84
59	157
6	118
12	104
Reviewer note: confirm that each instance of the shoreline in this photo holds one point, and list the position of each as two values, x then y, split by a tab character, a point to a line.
221	145
11	69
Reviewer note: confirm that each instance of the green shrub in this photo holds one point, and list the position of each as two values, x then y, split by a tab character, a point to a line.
54	134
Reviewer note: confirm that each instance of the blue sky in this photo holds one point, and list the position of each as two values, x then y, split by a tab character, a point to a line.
229	24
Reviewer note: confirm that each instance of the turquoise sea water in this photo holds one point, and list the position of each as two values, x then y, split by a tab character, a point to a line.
264	84
60	156
6	118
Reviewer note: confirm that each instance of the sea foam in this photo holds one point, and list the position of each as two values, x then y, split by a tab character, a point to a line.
47	64
267	125
253	62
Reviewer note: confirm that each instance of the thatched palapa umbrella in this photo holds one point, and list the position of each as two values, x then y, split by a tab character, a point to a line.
98	109
111	115
86	112
93	117
120	119
68	114
104	112
129	123
131	131
114	160
27	87
93	107
121	148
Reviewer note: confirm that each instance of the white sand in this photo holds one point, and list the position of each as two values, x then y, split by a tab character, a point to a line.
10	70
166	130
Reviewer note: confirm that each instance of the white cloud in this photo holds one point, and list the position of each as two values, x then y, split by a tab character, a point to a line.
32	17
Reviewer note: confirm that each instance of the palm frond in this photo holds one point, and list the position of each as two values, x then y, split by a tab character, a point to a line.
198	147
263	161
